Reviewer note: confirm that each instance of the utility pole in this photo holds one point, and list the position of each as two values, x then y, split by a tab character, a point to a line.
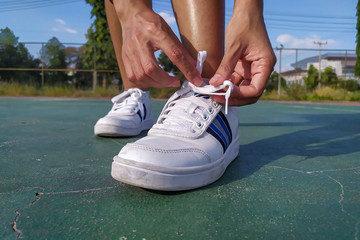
279	75
320	43
94	70
42	67
296	60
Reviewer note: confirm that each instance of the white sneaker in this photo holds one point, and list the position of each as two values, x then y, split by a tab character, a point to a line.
190	146
130	114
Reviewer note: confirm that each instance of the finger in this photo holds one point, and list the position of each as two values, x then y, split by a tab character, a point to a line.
128	69
255	87
236	78
225	69
135	71
157	75
181	58
243	67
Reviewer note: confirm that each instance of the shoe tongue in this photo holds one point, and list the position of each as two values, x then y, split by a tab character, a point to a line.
129	93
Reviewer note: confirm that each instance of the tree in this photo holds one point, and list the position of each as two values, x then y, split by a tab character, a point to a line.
351	85
99	51
272	83
7	37
329	77
53	56
312	80
357	64
15	55
73	55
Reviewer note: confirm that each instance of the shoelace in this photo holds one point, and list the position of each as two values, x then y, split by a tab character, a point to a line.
185	110
128	101
209	89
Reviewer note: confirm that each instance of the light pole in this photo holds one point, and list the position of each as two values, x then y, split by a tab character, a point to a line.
320	43
279	75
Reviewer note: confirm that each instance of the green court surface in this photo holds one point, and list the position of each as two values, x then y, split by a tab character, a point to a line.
297	176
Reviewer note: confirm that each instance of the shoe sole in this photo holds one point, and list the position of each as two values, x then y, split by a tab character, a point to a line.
107	130
172	179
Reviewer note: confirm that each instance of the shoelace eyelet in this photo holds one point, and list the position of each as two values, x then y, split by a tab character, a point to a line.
211	110
205	117
199	125
215	104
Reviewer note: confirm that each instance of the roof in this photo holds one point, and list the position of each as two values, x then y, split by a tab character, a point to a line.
302	64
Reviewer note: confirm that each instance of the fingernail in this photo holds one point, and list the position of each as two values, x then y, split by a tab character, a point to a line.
198	81
215	79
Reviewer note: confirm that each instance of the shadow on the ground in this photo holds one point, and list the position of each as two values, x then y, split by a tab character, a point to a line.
327	136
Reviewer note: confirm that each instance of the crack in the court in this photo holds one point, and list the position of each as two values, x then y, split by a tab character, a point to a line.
342	192
17	212
78	191
37	198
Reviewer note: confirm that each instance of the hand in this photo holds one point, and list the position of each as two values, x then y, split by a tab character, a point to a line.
145	32
249	59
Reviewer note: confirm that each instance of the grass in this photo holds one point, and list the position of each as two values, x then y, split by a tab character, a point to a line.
293	92
23	90
296	92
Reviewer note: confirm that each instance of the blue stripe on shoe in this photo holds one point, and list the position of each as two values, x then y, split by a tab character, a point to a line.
139	114
225	124
224	132
144	111
215	135
201	95
220	129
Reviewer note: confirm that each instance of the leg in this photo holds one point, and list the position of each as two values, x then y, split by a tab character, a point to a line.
202	27
135	116
116	37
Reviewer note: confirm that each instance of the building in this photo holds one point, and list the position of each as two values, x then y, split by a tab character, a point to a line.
342	63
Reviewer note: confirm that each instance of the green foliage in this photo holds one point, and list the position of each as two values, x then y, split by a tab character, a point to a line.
328	93
351	85
296	92
7	37
357	64
312	80
99	50
53	54
273	81
329	77
17	89
15	55
53	57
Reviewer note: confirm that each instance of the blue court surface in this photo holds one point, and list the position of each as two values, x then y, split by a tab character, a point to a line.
297	176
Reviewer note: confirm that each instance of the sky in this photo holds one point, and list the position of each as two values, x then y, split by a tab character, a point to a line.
294	24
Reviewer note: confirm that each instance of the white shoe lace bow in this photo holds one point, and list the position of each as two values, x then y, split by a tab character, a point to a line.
127	102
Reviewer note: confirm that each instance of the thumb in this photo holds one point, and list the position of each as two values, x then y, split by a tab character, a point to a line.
225	69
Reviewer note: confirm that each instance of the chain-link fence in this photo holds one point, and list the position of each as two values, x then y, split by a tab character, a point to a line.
43	64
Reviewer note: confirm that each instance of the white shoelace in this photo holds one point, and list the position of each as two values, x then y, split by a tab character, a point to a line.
191	105
127	103
209	89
